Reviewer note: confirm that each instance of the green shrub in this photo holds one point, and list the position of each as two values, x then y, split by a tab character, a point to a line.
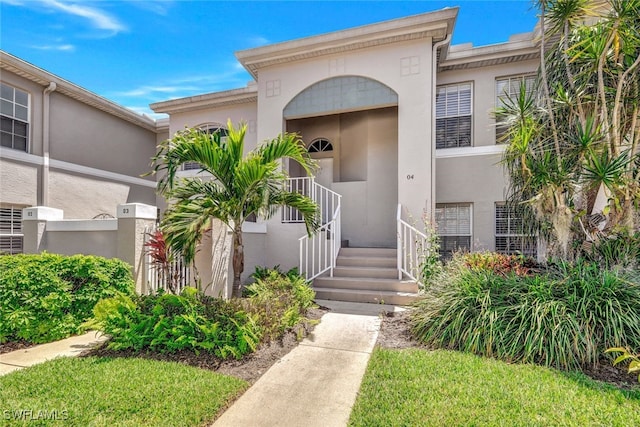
565	317
279	301
169	323
46	297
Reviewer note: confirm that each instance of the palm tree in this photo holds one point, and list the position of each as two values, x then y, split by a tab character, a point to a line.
574	153
239	186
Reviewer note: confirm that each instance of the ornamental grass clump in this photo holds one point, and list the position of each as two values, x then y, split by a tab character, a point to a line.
565	316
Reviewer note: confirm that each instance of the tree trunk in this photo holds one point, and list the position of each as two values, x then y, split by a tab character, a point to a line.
238	261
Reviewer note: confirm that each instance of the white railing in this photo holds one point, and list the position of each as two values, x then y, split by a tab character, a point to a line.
172	278
297	185
412	244
318	253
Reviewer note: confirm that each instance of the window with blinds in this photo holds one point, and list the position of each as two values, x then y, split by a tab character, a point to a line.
453	224
11	237
510	236
453	115
509	88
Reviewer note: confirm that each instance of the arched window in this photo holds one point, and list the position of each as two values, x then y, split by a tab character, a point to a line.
210	128
320	145
214	128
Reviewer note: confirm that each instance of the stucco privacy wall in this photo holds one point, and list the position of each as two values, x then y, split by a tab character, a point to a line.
384	64
45	229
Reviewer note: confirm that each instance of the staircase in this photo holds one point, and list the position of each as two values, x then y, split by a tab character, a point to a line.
366	275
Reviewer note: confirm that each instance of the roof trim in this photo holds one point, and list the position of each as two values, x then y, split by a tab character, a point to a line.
521	47
216	99
436	24
31	72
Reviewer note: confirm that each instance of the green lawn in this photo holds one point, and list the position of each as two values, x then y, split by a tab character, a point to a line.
114	392
443	388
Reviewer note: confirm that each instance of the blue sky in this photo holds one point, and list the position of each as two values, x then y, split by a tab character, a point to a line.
137	52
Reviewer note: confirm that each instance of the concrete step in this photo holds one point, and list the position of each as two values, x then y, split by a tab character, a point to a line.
370	272
368	296
365	284
366	261
369	252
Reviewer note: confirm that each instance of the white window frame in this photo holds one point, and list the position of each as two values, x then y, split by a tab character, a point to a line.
320	145
513	236
447	111
13	216
15	118
443	233
513	84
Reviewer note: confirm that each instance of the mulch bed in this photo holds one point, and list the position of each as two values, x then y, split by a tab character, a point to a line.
249	368
8	347
394	333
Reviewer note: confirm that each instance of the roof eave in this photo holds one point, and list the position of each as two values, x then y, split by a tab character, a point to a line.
44	78
436	25
209	100
490	55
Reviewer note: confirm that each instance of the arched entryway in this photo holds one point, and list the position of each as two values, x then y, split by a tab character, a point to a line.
350	125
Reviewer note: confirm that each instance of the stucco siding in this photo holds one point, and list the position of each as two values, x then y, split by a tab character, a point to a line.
93	138
386	65
18	183
83	197
484	94
479	180
246	113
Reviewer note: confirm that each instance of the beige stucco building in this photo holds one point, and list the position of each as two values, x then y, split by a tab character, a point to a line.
399	120
67	148
396	116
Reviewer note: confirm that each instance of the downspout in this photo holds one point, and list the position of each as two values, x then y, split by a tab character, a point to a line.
44	181
434	65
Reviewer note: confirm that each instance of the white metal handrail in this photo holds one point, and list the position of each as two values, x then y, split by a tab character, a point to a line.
318	253
412	244
302	185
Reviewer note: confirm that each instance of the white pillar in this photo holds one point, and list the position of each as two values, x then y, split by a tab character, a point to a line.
34	227
133	219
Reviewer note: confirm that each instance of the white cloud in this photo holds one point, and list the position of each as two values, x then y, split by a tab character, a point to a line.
58	47
97	17
257	41
159	7
152	90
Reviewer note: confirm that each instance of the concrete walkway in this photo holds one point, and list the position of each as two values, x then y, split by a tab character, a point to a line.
316	384
72	346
